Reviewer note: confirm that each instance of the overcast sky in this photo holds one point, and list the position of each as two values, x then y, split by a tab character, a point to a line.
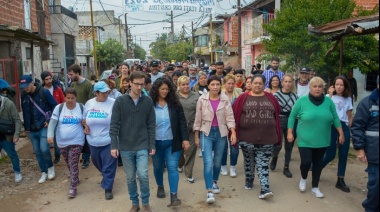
148	33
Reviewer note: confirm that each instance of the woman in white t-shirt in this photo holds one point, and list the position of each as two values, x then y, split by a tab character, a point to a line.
340	94
97	114
66	125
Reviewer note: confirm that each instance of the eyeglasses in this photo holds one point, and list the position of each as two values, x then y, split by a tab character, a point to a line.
138	84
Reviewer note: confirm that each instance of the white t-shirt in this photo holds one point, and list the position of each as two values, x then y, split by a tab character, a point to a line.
302	90
98	119
342	105
51	89
69	129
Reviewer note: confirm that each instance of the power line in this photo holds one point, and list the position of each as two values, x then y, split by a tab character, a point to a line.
100	2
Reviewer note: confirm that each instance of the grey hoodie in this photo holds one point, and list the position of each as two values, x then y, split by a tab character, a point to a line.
8	111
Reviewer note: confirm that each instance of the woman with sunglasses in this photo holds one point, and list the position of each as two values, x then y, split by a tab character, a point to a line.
97	114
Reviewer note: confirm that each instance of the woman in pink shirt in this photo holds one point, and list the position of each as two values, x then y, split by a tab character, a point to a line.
214	118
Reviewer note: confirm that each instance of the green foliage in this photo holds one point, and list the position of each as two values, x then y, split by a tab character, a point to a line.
110	52
139	52
164	50
290	39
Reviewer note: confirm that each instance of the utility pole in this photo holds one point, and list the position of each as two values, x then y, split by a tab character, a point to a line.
239	34
120	32
211	35
93	41
192	39
126	34
172	25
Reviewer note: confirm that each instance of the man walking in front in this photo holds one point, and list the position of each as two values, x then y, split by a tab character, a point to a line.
37	107
273	70
84	90
132	132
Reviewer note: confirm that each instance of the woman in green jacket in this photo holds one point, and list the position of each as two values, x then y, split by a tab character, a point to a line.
315	113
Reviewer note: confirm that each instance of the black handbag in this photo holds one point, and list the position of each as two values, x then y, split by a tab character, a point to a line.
7	127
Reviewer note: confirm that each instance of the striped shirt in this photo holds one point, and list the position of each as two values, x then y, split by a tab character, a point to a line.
286	101
270	73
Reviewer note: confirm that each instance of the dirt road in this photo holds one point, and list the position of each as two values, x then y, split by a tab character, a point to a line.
52	195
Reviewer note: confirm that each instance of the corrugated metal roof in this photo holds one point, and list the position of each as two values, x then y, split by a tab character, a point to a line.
347	27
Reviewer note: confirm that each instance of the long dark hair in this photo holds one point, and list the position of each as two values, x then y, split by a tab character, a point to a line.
271	79
347	89
171	98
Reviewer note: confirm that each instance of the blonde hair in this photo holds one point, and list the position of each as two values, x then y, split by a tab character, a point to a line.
293	88
228	77
318	81
182	79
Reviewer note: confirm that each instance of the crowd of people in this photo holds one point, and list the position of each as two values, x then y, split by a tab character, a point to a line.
166	113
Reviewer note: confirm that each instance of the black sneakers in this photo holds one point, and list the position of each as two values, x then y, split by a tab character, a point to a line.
161	192
273	164
340	184
287	172
108	195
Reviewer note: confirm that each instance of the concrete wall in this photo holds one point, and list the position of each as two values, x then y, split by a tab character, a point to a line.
61	23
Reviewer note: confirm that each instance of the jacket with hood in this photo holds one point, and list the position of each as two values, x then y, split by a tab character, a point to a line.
8	111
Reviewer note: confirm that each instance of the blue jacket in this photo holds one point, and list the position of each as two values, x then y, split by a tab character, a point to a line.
34	120
365	125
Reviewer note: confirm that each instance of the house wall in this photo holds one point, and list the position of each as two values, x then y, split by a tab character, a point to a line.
367	4
12	14
246	51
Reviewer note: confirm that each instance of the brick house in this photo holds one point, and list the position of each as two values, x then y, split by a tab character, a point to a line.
24	39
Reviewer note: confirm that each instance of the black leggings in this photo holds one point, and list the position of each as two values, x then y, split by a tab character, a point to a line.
312	156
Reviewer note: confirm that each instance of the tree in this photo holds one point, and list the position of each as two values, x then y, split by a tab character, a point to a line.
110	52
290	39
139	52
163	50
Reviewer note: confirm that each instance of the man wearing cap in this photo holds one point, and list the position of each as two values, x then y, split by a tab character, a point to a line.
365	138
155	71
273	70
57	93
178	67
302	84
132	132
84	90
37	107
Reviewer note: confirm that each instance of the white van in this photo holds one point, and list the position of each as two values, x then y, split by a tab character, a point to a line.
132	61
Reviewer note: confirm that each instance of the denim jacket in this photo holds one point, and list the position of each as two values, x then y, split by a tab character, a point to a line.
34	120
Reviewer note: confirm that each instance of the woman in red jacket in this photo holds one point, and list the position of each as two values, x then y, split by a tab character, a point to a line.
258	130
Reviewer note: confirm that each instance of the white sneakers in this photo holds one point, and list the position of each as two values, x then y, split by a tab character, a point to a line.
210	198
43	178
51	173
317	192
223	170
233	171
18	177
302	185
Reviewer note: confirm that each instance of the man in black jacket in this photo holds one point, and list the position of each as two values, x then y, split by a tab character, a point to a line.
132	132
365	138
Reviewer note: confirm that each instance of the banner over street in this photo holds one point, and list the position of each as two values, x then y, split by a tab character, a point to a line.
194	6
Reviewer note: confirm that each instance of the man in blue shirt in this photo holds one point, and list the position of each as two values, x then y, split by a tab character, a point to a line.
274	64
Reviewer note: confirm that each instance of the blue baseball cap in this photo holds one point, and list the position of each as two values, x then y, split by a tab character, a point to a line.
101	87
25	80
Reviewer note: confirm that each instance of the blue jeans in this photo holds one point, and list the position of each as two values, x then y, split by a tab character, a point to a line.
105	163
9	148
234	154
41	149
371	204
343	149
164	155
212	142
136	162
